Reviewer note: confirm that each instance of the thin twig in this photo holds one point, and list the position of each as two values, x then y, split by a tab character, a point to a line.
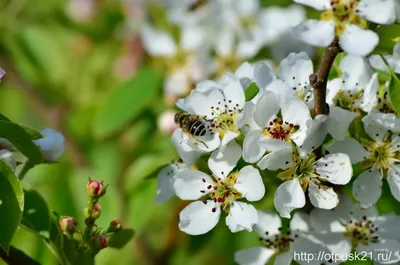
53	115
17	257
319	81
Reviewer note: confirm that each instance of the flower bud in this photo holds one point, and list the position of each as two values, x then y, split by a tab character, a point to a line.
103	241
115	226
99	242
95	189
68	224
52	144
96	211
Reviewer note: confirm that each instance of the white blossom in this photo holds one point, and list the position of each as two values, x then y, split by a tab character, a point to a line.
165	180
377	62
52	144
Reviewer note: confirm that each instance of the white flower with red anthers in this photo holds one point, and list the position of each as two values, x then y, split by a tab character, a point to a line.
185	63
165	180
381	158
277	132
346	20
221	189
279	243
355	89
349	227
305	171
394	60
221	106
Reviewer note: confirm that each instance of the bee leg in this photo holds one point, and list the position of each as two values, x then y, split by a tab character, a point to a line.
203	143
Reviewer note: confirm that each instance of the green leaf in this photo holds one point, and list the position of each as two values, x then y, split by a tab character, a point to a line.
13	131
121	238
4	118
127	102
30	150
387	36
251	91
11	204
394	92
36	215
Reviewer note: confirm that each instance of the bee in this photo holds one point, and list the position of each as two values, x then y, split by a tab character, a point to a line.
193	125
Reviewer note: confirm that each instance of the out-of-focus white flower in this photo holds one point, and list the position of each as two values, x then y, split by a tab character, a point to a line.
306	171
345	19
380	156
81	10
394	60
349	226
185	63
223	188
221	105
166	123
165	181
283	245
2	73
8	157
52	144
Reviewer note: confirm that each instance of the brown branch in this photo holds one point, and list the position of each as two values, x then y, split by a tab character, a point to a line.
17	257
53	115
319	81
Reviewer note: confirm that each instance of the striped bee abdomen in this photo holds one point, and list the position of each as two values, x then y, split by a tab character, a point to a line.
197	127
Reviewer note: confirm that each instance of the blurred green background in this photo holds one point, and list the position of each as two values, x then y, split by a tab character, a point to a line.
78	66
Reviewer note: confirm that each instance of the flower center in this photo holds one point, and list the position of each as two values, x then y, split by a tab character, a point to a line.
248	22
224	117
362	231
384	105
279	130
382	155
223	191
228	63
303	169
280	242
346	100
343	12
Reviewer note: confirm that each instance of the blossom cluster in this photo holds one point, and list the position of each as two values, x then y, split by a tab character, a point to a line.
258	123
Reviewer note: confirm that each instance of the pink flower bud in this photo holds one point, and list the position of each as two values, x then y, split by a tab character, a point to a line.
103	241
96	211
68	224
115	225
95	189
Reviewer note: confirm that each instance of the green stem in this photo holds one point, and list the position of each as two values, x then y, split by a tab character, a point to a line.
28	165
389	67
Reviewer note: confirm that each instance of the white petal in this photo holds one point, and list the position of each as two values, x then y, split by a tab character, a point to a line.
192	37
316	4
377	11
295	111
333	87
252	151
8	157
186	152
387	121
225	40
356	72
281	90
315	135
336	168
201	103
386	252
242	216
373	128
280	159
177	84
263	75
337	244
273	145
300	222
233	90
289	196
388	226
316	32
222	163
254	256
269	224
205	144
157	43
245	73
322	196
266	108
52	144
339	122
326	221
367	187
198	218
295	69
284	258
250	184
358	41
394	181
165	181
351	147
247	48
228	136
192	184
369	97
